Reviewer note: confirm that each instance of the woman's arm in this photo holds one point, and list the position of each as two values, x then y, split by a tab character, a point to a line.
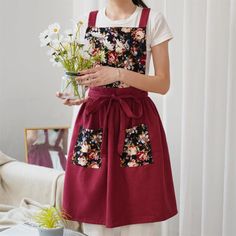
158	83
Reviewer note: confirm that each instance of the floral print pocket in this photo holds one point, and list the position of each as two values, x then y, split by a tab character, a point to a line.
87	148
137	147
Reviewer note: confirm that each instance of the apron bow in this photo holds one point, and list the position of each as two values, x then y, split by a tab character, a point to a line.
102	99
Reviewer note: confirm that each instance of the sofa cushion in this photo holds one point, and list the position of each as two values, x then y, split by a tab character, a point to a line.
5	158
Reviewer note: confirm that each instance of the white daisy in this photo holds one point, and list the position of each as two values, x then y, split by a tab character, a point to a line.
44	34
54	28
56	42
76	28
87	46
45	42
50	52
55	63
69	39
80	22
44	38
74	23
69	32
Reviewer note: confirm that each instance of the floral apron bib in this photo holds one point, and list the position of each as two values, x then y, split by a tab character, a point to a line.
118	169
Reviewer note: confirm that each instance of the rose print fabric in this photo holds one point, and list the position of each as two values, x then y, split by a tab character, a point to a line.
124	47
87	149
137	148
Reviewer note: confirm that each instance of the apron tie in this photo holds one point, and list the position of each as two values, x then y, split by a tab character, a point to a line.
121	99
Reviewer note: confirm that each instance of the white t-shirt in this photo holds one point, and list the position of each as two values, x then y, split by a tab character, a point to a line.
158	29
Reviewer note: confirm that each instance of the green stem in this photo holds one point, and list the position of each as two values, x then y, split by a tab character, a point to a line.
75	87
67	84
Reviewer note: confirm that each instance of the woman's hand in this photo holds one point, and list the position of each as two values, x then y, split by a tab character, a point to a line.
70	102
97	76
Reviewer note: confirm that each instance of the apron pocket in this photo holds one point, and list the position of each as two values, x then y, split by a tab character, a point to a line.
87	148
137	147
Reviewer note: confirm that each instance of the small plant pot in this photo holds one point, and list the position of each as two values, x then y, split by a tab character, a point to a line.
51	232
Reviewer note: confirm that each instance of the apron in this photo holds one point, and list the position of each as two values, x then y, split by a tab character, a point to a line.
118	169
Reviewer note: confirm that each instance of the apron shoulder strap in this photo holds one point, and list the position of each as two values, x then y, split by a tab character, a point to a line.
46	136
144	17
60	136
92	18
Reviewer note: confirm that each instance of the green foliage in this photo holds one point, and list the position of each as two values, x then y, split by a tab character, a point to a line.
50	217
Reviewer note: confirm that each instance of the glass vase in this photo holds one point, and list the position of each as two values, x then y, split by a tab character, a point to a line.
70	87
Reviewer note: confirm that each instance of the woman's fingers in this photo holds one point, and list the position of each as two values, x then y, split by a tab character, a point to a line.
67	102
62	95
70	102
59	94
89	79
77	101
91	70
83	78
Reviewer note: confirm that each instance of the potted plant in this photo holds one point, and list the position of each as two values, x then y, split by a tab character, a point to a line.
50	221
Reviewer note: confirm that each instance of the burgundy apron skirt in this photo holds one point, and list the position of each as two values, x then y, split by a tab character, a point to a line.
118	169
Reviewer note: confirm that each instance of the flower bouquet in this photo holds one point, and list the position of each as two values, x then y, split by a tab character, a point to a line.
67	51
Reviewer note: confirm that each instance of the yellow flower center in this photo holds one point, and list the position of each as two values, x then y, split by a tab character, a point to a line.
55	30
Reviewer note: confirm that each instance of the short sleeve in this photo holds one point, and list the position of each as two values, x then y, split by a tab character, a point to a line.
160	30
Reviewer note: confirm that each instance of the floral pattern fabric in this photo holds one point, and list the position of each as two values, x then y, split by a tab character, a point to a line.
87	148
137	147
124	47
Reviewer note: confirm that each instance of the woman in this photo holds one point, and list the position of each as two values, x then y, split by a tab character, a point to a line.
118	172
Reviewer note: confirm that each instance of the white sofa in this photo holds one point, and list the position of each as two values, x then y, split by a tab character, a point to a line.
24	187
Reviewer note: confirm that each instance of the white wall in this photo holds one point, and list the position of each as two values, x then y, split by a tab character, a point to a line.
28	81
